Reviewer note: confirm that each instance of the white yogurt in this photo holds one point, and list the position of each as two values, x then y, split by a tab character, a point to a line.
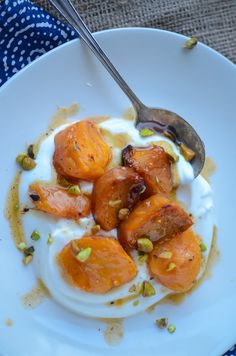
195	194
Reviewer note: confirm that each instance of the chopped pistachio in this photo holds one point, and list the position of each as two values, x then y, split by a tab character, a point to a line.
30	151
64	182
187	152
162	323
165	254
145	132
50	239
139	288
133	288
28	164
171	266
135	303
169	150
114	203
145	245
29	251
20	157
95	229
190	43
74	190
171	328
35	235
21	246
157	180
143	258
203	247
148	290
123	214
74	247
27	259
84	254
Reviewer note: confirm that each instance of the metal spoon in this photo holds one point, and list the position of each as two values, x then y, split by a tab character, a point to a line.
161	120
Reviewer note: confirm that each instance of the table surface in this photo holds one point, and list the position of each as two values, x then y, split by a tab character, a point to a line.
212	21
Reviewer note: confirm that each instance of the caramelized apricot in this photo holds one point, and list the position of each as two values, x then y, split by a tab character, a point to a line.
106	267
179	271
118	188
58	202
154	218
153	164
80	152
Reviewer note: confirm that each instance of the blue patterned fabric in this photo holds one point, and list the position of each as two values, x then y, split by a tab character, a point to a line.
231	352
27	32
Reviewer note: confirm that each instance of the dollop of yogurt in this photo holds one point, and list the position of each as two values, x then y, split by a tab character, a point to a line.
196	195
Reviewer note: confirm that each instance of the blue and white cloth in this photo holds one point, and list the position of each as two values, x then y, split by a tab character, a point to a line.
26	33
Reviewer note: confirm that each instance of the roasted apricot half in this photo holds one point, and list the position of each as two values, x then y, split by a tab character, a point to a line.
115	190
153	164
80	152
175	262
154	218
57	201
96	264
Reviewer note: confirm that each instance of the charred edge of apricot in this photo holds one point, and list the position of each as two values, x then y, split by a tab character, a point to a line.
166	207
129	160
34	196
126	155
128	151
135	191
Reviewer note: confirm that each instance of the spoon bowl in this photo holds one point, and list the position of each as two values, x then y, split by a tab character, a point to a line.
161	120
176	128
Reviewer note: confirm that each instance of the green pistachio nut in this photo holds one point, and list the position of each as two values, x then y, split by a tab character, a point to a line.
145	245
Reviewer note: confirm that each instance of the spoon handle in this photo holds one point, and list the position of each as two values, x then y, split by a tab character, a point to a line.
66	8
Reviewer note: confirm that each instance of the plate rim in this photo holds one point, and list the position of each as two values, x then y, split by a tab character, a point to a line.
110	30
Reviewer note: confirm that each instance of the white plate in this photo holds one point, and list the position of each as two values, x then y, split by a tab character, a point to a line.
200	85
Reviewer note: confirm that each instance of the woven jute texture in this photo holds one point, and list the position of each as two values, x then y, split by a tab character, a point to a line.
211	21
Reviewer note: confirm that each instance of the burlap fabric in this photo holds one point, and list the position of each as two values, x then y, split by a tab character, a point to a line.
212	21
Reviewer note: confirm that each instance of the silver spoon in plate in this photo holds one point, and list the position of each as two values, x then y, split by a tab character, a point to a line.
160	120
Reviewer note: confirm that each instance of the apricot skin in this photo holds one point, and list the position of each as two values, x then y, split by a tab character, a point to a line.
121	186
186	256
155	217
153	164
80	152
57	201
107	267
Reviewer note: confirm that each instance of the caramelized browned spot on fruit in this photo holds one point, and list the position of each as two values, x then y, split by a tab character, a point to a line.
179	271
80	152
118	188
153	164
154	218
58	202
106	267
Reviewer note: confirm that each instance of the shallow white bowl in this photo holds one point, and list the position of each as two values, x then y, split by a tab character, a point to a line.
199	85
